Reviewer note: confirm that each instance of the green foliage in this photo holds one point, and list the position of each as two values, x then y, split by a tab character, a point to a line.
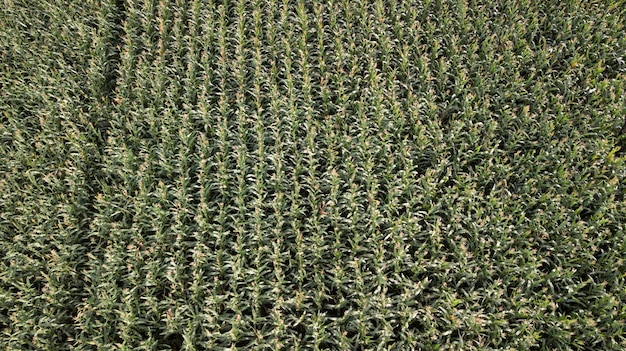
352	175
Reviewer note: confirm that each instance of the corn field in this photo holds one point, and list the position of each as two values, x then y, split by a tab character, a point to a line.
300	175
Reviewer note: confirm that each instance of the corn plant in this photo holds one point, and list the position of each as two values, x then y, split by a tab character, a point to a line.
288	175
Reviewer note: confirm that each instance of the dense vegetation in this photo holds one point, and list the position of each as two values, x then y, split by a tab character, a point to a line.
346	175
